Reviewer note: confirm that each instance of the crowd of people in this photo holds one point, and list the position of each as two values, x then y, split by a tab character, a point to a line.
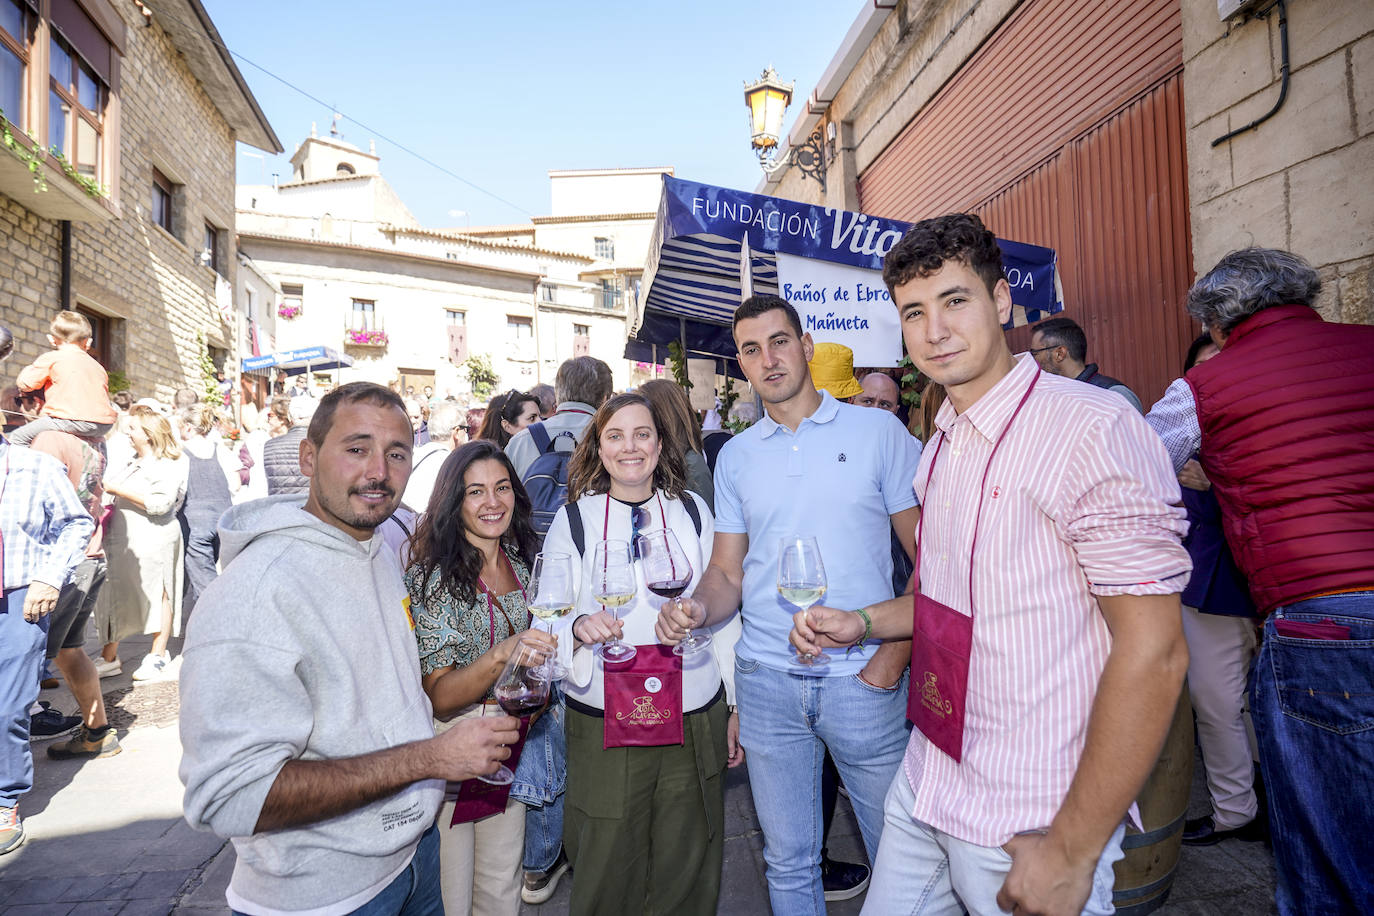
1024	568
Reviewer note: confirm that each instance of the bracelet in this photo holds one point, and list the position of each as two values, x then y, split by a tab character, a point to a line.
573	629
868	627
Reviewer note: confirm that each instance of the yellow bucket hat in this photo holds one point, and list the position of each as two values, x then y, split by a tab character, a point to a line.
832	369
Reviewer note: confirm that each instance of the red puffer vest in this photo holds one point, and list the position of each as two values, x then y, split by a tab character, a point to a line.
1287	417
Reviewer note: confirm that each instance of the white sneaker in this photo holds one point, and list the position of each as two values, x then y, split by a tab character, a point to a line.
153	668
107	669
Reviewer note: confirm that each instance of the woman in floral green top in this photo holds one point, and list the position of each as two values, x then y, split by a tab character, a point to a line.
469	565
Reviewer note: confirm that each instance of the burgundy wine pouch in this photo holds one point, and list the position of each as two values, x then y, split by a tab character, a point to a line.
941	643
478	799
644	699
1302	629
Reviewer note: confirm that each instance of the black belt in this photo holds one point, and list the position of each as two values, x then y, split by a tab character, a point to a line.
592	711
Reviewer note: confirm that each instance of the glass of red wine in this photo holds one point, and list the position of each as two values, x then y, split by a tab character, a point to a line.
667	573
521	690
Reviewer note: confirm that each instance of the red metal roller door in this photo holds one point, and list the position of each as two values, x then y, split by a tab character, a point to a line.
1093	166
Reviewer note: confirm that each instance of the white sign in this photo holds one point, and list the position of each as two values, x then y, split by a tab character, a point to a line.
844	305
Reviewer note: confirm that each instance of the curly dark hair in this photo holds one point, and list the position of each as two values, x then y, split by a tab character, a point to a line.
440	542
931	242
587	476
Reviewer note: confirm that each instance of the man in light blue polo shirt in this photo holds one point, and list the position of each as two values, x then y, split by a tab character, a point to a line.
843	474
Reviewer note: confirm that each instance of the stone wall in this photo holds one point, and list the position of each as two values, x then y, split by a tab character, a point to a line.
1301	180
150	280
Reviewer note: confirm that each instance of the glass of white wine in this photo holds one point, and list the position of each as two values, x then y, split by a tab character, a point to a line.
801	581
551	598
613	586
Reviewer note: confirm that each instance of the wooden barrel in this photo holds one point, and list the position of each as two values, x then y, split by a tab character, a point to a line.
1146	873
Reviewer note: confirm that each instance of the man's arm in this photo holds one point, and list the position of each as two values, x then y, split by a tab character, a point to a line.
885	668
1135	702
717	595
308	791
1174	419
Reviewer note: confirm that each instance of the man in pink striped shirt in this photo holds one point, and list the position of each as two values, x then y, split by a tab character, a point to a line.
1049	548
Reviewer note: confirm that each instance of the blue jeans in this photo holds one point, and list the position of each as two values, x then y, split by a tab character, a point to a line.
22	646
1312	702
415	891
786	724
540	780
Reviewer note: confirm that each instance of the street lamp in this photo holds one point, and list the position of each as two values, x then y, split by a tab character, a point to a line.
767	99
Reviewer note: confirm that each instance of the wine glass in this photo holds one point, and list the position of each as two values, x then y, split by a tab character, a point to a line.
521	689
667	573
801	581
551	597
613	586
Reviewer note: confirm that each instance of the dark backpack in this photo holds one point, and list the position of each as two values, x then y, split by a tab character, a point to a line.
579	533
546	480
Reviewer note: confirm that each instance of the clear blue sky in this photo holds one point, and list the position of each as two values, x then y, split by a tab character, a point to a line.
502	93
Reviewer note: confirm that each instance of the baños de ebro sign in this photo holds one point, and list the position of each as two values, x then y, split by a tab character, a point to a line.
713	246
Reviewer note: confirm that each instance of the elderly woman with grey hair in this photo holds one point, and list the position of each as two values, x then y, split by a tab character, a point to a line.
1282	420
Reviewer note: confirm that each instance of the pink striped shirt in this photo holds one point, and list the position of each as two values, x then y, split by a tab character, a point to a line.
1078	505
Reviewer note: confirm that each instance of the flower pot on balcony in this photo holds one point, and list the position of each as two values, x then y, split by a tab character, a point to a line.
375	339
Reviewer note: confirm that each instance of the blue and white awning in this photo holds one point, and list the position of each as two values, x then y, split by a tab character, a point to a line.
712	247
294	362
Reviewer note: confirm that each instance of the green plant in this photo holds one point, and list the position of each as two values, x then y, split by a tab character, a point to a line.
481	375
209	383
911	378
677	363
32	154
118	381
728	395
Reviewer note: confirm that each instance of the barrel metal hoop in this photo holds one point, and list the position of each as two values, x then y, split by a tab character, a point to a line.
1136	840
1135	893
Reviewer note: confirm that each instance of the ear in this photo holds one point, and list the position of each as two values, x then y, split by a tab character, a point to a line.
1218	337
307	457
808	346
1001	297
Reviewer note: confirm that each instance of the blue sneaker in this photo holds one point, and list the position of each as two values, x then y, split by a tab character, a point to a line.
49	723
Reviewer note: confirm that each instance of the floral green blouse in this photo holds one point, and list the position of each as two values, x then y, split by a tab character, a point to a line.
456	633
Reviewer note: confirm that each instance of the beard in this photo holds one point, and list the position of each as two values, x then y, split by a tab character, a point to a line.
366	517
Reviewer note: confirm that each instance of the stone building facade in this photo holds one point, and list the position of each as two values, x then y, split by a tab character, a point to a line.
152	268
1302	179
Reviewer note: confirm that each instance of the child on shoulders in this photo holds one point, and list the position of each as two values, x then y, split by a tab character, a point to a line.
75	387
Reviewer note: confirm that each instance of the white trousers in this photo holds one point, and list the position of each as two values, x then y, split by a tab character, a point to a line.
922	871
1220	651
480	869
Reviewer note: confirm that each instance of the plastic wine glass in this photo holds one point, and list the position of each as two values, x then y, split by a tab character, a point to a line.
801	581
521	689
551	597
667	573
613	587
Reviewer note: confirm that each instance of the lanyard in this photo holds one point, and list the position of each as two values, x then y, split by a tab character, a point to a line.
491	609
982	493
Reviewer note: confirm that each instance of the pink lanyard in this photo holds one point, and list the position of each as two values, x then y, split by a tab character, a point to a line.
982	494
491	610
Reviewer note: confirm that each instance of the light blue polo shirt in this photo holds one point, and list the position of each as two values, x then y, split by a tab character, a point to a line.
838	478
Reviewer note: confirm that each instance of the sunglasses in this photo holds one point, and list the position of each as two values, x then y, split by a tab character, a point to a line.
639	520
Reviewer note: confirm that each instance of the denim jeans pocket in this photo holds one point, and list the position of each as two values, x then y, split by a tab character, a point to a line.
873	688
745	665
1324	682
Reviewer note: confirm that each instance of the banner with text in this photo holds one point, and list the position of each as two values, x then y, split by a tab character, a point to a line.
844	305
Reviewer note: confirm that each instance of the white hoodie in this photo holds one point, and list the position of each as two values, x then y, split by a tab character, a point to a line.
301	649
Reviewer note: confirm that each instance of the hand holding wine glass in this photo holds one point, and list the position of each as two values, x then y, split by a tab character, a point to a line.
613	586
551	596
521	689
667	573
802	582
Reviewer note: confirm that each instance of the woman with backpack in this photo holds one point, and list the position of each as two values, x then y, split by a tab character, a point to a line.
644	810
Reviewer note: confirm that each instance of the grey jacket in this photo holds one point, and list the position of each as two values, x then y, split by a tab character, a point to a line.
281	463
301	649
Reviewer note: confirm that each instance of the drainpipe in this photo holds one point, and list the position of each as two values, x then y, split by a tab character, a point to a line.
65	294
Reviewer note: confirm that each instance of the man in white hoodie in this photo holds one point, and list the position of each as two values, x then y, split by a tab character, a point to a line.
306	737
